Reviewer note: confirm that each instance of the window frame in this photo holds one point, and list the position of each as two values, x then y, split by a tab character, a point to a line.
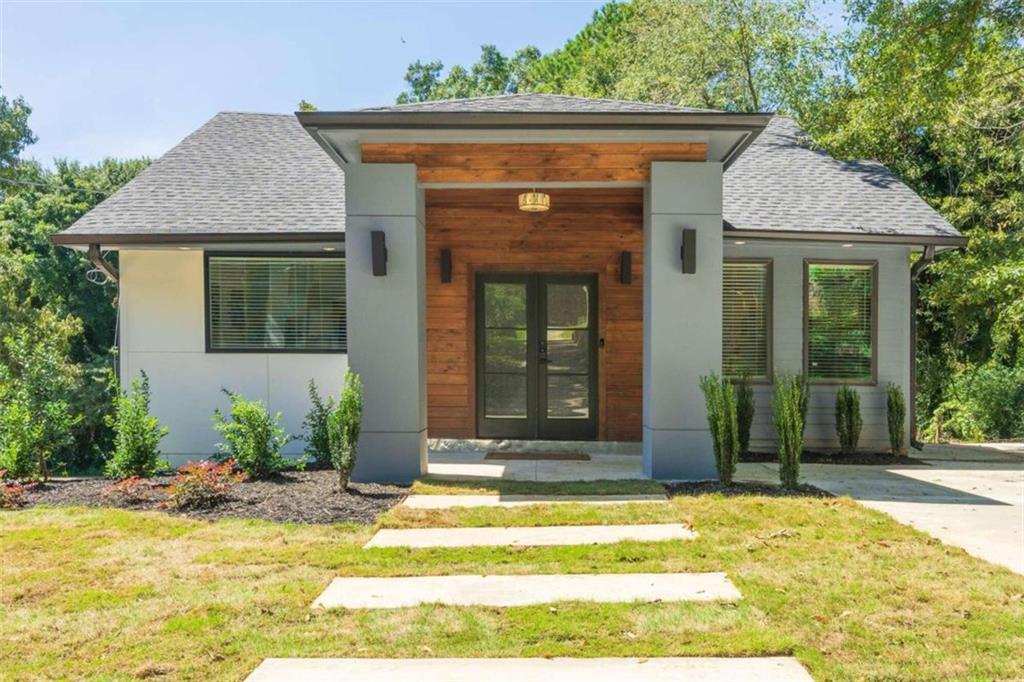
207	254
873	265
769	309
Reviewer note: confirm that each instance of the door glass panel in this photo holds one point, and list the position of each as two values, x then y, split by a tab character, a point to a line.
568	397
568	306
505	350
505	305
568	351
505	396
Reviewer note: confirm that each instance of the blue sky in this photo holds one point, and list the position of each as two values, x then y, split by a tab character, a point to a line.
128	79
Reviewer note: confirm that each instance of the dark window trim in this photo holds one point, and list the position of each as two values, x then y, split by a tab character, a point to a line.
769	312
873	381
262	254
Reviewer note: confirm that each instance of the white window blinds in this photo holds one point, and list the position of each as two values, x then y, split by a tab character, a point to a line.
276	303
840	321
746	320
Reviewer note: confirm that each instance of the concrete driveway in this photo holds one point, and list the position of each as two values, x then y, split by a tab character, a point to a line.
971	496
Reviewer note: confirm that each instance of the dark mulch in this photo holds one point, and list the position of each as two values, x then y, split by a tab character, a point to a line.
737	489
818	457
290	497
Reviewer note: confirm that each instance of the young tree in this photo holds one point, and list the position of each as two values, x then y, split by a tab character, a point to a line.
344	426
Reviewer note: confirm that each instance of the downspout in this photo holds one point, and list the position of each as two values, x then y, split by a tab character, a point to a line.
915	272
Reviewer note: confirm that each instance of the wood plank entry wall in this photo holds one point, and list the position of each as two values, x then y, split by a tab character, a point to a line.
586	230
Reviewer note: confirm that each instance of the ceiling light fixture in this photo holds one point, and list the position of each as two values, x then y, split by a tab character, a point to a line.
534	202
739	243
328	248
846	246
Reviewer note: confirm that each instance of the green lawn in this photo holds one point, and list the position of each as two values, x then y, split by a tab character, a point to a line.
114	594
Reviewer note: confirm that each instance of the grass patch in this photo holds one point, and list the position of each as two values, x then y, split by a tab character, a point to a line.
90	593
432	486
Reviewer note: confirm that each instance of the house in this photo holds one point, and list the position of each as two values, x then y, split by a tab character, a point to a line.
519	267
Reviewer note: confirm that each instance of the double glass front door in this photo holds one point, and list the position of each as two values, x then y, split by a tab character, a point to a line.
536	351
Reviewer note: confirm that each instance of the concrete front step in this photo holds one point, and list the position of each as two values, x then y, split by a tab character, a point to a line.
769	669
453	501
528	536
523	590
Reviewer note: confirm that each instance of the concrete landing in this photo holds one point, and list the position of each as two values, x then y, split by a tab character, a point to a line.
523	590
528	536
452	501
773	669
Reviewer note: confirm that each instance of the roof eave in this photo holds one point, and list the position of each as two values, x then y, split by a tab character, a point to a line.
951	241
153	239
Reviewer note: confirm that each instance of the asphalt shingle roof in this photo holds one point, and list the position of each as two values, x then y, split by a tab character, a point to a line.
238	173
538	103
781	183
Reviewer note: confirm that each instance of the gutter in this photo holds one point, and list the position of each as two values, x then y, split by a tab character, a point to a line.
84	239
915	272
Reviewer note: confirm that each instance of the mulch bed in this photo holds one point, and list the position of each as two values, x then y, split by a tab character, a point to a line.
289	497
817	457
745	488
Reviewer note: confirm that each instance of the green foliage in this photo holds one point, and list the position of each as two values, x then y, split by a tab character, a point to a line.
15	134
252	438
317	427
720	400
848	419
343	428
985	402
492	74
788	410
896	417
307	106
199	485
744	411
137	434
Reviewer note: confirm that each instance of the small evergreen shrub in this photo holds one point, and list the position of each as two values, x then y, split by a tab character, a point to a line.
720	399
137	434
896	415
198	485
343	428
789	401
803	383
848	419
129	491
19	431
317	428
744	411
252	438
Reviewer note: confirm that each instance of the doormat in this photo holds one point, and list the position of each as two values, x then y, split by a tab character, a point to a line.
540	456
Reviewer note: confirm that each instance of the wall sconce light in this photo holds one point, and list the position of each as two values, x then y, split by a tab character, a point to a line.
380	253
626	267
446	266
688	251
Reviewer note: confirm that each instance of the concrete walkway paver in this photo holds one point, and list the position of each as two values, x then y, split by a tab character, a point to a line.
471	465
528	536
769	669
453	501
523	590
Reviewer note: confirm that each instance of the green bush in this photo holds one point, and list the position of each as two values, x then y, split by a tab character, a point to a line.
744	411
848	419
198	485
316	427
720	399
343	428
896	416
253	439
789	402
803	384
982	403
137	434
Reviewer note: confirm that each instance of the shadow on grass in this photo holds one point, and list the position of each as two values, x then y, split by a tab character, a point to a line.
737	489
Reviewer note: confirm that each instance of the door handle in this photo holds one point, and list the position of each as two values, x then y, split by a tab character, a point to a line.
543	353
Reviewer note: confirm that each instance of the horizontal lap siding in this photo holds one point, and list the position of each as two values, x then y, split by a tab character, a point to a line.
585	231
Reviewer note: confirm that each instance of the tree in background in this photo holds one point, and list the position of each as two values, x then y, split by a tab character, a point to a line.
492	74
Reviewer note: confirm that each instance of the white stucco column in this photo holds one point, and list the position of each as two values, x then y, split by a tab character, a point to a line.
387	319
682	317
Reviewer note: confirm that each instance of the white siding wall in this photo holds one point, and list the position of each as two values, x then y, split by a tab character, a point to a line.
787	337
163	333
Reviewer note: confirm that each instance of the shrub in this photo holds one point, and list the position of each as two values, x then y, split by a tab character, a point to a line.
848	419
130	490
789	401
982	403
803	384
317	428
203	484
12	492
896	415
744	411
343	428
720	399
137	434
253	439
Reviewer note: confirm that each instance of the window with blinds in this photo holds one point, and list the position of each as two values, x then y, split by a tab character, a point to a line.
840	321
746	319
276	303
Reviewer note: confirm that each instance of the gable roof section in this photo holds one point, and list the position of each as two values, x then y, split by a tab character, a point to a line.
782	185
537	103
239	176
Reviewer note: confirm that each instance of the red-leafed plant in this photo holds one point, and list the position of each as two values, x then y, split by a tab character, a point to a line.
203	484
131	490
12	492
